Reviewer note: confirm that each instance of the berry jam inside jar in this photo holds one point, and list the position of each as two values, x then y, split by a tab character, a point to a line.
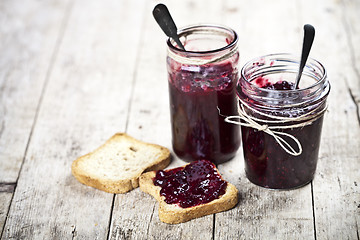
202	82
281	126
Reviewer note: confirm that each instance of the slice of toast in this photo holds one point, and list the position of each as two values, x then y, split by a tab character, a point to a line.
173	213
116	166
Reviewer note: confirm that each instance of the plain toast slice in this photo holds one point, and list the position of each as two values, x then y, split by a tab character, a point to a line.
173	213
116	166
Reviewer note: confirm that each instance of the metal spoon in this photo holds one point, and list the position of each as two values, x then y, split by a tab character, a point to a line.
165	21
309	34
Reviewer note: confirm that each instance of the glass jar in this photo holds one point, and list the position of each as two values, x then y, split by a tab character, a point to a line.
202	83
281	126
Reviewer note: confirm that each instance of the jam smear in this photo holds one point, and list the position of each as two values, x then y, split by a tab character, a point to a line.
198	130
196	183
279	85
267	164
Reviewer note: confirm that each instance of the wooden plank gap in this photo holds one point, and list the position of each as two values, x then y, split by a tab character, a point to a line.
151	217
353	98
313	208
8	209
73	233
357	228
111	217
213	231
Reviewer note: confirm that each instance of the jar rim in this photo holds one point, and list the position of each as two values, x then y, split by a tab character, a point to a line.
204	27
288	56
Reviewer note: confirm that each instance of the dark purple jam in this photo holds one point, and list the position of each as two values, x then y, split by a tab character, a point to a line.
279	85
196	183
267	164
198	130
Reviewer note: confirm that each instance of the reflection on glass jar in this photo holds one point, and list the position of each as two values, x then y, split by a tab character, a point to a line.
281	126
202	81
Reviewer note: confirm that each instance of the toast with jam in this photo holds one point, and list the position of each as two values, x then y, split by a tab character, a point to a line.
116	166
191	191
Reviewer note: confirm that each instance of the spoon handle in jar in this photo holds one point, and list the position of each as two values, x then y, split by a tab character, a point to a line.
167	24
309	34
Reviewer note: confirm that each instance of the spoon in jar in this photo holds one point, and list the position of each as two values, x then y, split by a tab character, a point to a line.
309	34
165	21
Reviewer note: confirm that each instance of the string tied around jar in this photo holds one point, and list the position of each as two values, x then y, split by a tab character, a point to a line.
245	120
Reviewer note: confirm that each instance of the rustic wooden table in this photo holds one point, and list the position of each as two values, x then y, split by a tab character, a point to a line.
72	73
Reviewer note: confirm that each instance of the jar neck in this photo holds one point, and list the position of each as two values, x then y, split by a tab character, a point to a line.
204	44
283	66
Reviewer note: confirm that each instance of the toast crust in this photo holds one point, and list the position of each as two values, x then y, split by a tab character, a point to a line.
82	173
173	213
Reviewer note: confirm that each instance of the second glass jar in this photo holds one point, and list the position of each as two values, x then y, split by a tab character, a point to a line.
202	91
281	129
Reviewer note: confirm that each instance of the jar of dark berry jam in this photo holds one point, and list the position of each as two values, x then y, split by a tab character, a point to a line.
280	125
202	82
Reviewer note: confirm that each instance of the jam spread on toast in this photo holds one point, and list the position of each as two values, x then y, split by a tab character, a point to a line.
197	183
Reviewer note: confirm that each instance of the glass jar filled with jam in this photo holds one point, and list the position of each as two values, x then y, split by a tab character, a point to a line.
281	126
202	82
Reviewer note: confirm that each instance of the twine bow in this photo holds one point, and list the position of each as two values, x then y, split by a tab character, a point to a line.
246	120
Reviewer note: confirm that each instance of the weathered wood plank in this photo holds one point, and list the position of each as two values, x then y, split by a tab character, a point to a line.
264	28
135	214
5	199
350	24
263	213
28	35
336	190
136	217
85	102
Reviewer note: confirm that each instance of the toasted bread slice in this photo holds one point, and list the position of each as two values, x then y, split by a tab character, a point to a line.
116	166
173	213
